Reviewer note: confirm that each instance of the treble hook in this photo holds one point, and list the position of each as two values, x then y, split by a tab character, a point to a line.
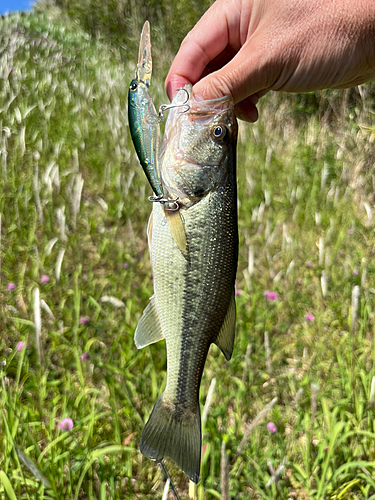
160	199
165	107
174	207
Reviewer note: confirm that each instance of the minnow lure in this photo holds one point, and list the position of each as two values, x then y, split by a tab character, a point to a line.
143	118
145	131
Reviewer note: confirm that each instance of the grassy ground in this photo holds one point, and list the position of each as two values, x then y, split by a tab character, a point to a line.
75	277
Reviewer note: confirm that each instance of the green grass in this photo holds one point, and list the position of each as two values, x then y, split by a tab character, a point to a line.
73	207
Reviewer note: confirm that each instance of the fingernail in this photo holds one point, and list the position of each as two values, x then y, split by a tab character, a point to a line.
254	99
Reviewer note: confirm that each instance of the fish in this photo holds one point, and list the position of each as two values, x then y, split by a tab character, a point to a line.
193	304
143	119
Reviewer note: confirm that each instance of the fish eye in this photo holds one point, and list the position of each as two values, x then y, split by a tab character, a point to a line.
219	132
133	86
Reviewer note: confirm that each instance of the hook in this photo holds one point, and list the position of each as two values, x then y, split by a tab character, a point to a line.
174	207
165	107
159	199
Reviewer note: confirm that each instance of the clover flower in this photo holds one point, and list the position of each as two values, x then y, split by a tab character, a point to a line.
20	345
66	424
270	295
272	427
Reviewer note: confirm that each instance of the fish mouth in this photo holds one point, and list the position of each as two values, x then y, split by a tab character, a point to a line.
208	106
189	89
212	105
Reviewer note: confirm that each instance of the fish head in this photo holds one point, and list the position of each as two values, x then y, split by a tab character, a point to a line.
198	146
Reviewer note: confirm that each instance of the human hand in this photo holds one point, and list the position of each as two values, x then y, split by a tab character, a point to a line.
244	48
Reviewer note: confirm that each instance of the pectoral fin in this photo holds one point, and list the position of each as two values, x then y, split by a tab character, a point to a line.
177	228
149	328
225	339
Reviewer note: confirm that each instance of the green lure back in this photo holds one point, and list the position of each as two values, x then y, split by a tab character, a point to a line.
143	118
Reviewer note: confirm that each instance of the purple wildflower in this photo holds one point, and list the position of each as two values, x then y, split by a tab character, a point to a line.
309	263
84	320
271	295
66	424
85	356
349	231
20	345
309	317
44	278
11	286
272	427
355	272
125	265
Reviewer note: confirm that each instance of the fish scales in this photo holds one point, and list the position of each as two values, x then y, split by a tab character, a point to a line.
193	302
195	293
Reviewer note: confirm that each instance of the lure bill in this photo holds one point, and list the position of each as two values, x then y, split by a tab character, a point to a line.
194	261
143	118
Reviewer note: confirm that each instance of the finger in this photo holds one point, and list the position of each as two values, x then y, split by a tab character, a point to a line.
175	83
248	73
247	111
219	61
207	40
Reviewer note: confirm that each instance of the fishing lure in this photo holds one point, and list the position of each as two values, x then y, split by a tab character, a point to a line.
143	118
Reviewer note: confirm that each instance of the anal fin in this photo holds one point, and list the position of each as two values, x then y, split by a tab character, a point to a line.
225	339
149	328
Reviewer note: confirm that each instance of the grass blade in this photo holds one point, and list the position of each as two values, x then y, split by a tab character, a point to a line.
7	486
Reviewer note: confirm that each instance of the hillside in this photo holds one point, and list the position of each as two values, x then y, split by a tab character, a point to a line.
75	278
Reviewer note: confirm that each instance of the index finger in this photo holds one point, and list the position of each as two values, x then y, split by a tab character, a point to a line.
209	38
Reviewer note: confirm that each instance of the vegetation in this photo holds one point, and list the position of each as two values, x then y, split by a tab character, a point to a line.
119	22
295	405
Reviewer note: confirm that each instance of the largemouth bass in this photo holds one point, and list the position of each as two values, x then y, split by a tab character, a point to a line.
193	303
143	118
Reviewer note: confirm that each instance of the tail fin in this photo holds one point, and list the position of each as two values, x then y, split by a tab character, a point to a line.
174	436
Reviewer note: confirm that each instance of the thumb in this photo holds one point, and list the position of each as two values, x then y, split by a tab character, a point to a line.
243	76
